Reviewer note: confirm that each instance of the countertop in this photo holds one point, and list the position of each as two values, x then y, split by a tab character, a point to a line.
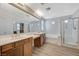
36	33
6	39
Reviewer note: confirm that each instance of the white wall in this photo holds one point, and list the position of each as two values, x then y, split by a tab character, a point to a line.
52	30
5	26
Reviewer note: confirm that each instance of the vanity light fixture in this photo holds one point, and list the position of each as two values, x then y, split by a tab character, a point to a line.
39	12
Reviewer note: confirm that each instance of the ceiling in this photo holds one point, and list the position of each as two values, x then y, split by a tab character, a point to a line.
52	10
57	10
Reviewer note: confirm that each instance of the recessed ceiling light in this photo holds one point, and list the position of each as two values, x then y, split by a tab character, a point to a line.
48	8
42	3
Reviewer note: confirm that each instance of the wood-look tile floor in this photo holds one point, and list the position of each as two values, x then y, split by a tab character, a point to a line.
49	49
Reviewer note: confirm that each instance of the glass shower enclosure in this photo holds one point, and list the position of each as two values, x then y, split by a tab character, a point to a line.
70	31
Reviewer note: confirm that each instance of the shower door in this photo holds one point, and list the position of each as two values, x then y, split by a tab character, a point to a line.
70	32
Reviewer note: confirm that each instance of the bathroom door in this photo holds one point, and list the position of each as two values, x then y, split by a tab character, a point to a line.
70	32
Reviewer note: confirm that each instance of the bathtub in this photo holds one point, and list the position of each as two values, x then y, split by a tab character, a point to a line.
54	39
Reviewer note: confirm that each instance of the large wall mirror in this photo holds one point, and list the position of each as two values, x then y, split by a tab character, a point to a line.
13	20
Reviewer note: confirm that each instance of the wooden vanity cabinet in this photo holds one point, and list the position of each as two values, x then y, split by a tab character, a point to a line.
23	47
39	41
18	48
28	47
0	51
7	50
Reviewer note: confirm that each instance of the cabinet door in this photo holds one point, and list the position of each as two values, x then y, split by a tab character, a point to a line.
0	51
8	50
18	48
37	42
18	51
42	39
8	53
28	47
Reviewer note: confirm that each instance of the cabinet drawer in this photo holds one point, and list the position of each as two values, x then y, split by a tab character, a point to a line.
7	47
8	53
37	42
28	47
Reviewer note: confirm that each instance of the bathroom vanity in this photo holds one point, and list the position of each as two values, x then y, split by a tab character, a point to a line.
39	41
20	45
17	48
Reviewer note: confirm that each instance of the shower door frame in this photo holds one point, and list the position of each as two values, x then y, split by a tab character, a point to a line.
62	32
